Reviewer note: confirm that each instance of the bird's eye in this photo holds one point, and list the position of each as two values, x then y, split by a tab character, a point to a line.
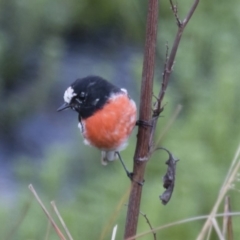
76	104
82	96
78	101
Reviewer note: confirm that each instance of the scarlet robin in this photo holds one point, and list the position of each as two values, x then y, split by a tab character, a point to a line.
106	114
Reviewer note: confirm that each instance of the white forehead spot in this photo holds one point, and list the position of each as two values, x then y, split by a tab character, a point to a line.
69	94
124	90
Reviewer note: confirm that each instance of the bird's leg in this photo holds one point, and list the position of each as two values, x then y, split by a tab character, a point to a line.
129	174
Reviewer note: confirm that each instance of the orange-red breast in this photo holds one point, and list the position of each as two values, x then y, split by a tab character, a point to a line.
107	115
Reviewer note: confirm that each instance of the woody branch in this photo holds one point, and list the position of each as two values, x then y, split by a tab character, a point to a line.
145	134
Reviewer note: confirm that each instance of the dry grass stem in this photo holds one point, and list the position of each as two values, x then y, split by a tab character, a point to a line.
217	229
114	232
209	233
57	230
48	230
227	220
230	178
61	220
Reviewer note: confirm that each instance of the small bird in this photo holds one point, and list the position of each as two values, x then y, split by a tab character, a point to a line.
106	114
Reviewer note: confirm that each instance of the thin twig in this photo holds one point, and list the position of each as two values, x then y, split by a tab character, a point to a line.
170	62
56	228
61	220
190	13
175	12
148	222
181	222
168	66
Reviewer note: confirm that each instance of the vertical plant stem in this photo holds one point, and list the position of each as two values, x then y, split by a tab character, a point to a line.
145	132
143	137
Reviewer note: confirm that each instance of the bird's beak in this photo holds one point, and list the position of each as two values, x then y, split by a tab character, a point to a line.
64	106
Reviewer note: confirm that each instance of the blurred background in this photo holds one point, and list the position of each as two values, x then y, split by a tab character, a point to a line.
45	46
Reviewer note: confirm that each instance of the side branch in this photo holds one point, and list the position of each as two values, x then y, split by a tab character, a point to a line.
171	58
158	106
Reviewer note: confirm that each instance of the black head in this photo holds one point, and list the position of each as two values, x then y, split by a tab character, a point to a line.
86	95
